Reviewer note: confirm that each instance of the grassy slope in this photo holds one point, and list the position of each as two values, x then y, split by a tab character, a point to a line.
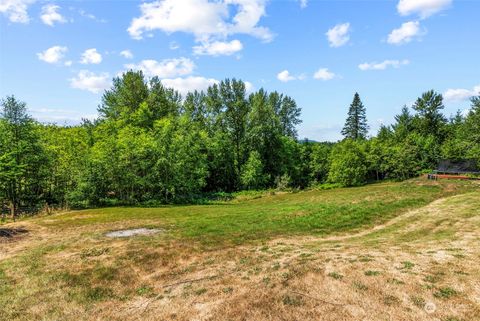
65	268
312	212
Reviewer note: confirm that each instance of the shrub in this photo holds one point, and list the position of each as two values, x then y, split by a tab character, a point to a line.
252	176
348	164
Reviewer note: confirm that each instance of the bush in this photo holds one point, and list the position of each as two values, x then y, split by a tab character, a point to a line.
282	182
252	176
348	165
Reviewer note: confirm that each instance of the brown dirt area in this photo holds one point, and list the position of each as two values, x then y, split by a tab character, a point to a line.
423	265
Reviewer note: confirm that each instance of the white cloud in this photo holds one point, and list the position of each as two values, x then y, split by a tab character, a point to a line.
218	48
16	10
209	21
303	3
91	56
383	65
284	76
324	74
199	17
249	87
461	94
167	68
189	84
424	8
126	54
68	63
338	35
85	14
405	33
86	80
50	15
53	55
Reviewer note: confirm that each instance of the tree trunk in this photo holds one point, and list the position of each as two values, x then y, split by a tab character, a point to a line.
12	210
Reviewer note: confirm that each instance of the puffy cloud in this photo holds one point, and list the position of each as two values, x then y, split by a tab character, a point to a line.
167	68
53	55
126	54
383	65
16	10
424	8
218	48
87	80
249	13
461	94
284	76
324	74
91	56
199	17
189	84
208	21
338	35
50	15
405	33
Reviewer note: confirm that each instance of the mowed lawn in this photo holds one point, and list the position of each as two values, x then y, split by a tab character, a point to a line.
314	212
262	258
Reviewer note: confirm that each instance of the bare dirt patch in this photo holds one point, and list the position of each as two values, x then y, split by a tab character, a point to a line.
133	232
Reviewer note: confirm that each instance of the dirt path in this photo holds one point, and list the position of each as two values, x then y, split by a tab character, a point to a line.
432	206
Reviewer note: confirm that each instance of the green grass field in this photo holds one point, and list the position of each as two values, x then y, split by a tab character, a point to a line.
249	258
315	212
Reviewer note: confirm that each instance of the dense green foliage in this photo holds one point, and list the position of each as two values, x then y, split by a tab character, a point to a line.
152	146
348	165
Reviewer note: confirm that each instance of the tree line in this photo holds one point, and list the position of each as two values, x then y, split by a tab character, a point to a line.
152	146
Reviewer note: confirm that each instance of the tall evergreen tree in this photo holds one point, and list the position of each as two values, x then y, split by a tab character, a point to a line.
356	124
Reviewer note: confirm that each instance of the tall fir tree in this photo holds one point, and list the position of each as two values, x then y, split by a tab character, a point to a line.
356	126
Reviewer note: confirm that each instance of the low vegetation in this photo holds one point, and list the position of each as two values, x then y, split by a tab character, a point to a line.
383	251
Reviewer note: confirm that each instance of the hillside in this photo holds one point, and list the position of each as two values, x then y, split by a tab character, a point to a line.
392	251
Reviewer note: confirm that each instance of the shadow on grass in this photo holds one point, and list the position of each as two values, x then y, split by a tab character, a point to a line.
7	233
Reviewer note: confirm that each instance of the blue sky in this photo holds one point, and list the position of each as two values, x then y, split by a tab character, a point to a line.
59	56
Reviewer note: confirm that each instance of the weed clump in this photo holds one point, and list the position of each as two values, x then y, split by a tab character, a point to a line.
418	301
391	300
371	273
445	293
335	275
360	286
292	300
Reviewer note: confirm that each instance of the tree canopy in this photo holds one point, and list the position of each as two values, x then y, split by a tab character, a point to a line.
152	146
